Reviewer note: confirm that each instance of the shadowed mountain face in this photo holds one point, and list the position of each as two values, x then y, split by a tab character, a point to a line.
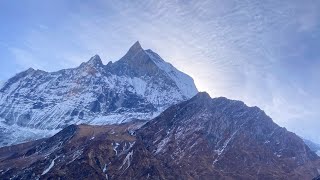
140	85
201	138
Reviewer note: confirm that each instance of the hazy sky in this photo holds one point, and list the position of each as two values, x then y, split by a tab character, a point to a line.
265	53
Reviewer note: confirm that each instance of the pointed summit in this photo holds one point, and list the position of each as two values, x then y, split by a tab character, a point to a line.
93	61
133	51
135	47
202	96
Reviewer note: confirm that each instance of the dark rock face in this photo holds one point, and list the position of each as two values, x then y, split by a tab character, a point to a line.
138	86
201	138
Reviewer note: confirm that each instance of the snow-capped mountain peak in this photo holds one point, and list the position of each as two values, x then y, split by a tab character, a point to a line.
134	49
138	86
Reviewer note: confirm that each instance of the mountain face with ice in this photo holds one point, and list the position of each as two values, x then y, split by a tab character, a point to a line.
201	138
138	86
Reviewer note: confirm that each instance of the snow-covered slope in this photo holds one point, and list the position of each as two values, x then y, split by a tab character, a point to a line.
183	81
138	86
1	84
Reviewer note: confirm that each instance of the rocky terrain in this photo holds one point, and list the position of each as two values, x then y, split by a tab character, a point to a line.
201	138
35	103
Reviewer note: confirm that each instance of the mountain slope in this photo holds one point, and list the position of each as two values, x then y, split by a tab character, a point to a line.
313	146
138	86
227	139
201	138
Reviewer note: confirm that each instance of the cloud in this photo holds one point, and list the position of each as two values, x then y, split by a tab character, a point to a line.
247	50
308	19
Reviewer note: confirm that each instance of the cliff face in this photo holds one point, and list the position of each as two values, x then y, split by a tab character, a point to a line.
201	138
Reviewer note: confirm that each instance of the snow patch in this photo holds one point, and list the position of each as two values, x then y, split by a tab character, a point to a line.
104	168
121	118
127	160
225	144
49	168
139	85
115	146
184	82
162	144
105	171
1	84
16	134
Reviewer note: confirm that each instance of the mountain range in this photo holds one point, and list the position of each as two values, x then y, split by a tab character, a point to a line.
201	138
140	85
138	118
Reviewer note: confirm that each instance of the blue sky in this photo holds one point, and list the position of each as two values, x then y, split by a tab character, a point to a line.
265	53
